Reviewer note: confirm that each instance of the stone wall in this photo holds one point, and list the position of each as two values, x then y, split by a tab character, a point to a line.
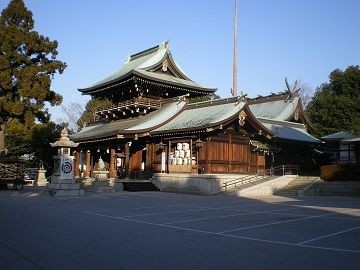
335	188
206	184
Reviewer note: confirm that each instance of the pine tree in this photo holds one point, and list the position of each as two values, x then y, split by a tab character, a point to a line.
27	65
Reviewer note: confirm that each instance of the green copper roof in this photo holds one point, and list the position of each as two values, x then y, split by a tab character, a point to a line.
168	79
276	110
142	63
203	115
130	125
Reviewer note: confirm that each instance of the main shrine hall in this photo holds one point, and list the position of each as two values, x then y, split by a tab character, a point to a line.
154	125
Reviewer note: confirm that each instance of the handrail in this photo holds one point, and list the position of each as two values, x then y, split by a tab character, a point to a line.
266	174
283	169
242	180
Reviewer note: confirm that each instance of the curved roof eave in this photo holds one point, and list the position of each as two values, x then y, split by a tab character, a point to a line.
99	132
225	121
140	74
100	87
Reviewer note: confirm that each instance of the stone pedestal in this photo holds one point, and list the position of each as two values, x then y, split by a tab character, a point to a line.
61	187
87	182
101	183
40	179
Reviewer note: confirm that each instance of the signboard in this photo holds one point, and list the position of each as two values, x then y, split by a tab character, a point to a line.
66	168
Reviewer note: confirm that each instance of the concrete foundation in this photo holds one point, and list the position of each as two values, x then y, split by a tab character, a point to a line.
101	187
336	188
64	189
101	183
206	184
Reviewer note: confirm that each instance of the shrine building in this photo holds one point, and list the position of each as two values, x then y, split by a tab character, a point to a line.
154	127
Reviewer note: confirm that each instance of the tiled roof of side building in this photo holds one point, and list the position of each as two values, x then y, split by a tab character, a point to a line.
131	125
201	115
338	136
290	132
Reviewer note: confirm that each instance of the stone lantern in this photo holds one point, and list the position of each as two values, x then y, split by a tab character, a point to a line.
63	181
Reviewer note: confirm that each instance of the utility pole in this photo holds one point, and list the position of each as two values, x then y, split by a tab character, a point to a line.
234	86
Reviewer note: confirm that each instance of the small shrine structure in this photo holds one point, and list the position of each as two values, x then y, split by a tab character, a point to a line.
62	181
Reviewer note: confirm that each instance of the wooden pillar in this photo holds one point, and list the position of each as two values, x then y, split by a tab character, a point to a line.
230	154
207	165
127	160
149	159
87	160
76	163
112	163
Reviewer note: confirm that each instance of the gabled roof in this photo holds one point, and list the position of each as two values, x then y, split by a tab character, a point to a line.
203	115
283	106
178	117
276	109
156	64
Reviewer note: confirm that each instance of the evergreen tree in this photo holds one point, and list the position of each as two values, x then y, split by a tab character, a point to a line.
27	65
335	105
91	107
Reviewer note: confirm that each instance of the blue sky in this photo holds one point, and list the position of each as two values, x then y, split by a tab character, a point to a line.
300	39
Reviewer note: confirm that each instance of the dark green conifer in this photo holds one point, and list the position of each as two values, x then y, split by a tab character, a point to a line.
27	65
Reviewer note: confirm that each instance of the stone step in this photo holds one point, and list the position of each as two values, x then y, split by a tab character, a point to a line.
139	186
294	187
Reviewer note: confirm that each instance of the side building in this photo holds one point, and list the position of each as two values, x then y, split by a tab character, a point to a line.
151	126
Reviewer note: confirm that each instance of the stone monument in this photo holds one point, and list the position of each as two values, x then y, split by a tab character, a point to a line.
101	182
40	178
62	181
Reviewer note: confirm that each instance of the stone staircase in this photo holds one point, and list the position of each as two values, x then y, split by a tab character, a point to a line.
295	186
139	185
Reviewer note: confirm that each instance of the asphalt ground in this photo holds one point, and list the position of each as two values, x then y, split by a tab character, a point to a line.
156	230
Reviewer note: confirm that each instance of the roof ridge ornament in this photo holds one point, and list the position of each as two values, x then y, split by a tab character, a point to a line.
165	44
292	92
128	59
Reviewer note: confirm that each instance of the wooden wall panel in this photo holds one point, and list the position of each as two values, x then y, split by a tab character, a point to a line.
240	152
135	161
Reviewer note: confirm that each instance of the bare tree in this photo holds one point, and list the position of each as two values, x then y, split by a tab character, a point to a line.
73	113
306	94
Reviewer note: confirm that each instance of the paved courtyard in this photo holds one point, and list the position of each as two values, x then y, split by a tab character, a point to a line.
154	230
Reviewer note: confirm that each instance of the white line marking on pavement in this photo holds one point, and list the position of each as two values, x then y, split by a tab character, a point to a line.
139	208
175	212
225	235
328	235
224	216
281	222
